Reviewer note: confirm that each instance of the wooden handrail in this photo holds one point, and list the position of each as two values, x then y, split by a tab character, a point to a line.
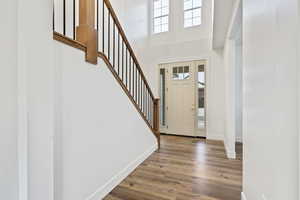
68	41
122	33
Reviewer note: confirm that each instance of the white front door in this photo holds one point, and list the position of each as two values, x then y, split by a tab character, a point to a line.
180	98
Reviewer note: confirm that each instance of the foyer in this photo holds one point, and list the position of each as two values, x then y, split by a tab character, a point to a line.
184	168
90	88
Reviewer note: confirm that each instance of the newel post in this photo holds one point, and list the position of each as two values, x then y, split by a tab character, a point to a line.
156	120
86	32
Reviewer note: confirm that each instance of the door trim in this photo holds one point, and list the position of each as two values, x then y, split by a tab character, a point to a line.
165	65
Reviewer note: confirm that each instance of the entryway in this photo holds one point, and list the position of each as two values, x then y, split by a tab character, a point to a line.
183	98
170	174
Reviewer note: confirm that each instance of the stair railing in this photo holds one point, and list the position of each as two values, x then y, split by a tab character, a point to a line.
95	28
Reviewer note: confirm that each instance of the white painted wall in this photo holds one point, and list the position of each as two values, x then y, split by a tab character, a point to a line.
27	75
270	100
68	143
177	33
230	97
222	15
233	81
8	101
35	62
233	95
216	96
298	99
239	92
102	137
178	44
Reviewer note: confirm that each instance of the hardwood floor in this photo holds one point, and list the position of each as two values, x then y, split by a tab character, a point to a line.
184	169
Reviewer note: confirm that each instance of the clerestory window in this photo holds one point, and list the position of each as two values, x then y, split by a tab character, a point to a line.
192	13
160	16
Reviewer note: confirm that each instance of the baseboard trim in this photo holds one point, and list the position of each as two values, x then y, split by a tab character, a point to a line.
118	178
243	196
186	136
239	139
229	153
215	137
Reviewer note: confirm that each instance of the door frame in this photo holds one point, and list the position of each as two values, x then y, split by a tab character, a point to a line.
166	65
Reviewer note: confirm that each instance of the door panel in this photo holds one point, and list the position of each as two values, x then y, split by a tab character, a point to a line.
181	99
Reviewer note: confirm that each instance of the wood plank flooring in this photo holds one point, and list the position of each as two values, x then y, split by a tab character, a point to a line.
184	169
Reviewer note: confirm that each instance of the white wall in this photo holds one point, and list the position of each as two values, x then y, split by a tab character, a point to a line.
239	92
177	33
35	62
222	16
298	99
179	44
233	95
102	136
27	77
8	101
270	100
230	97
216	96
233	81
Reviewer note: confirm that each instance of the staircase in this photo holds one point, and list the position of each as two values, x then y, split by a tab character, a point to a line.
96	30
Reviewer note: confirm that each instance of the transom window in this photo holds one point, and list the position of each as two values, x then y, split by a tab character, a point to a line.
192	13
160	16
181	73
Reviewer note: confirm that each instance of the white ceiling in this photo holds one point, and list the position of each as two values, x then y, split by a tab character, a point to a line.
222	13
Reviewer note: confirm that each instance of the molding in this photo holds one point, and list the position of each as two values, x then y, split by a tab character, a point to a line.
230	153
243	196
218	137
183	59
239	139
102	191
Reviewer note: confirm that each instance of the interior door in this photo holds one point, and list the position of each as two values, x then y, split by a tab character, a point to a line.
181	108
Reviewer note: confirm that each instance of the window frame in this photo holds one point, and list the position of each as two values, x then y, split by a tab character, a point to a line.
192	9
161	16
183	75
